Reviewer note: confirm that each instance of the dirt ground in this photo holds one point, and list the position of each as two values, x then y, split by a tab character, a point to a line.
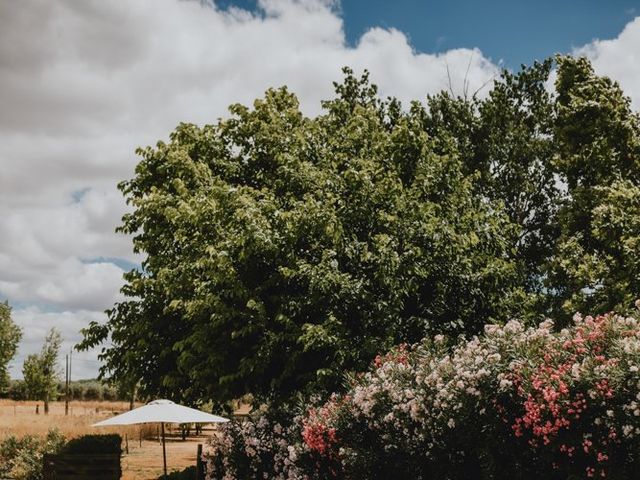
144	460
145	463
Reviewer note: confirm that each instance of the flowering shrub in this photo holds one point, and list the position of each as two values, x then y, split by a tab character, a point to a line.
257	448
516	402
580	401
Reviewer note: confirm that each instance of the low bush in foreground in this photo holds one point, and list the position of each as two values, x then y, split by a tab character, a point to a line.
94	444
188	473
514	403
21	458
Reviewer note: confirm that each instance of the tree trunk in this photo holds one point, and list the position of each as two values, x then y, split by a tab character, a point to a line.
46	405
132	400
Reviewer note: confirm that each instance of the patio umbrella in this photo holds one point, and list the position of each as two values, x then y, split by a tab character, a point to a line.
161	411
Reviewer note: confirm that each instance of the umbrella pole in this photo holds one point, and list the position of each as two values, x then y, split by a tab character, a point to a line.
164	452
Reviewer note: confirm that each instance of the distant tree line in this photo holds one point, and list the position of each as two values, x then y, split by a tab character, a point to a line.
78	390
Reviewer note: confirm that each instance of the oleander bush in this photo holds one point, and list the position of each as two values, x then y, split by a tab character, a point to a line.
514	403
267	446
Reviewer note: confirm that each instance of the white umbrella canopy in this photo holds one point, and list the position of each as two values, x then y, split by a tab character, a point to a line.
161	411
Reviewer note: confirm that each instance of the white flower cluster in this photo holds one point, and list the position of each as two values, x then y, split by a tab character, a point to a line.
258	449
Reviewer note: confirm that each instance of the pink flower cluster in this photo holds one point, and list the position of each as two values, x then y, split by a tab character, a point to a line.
570	397
399	355
316	434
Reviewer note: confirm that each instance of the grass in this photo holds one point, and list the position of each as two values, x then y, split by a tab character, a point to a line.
144	460
20	418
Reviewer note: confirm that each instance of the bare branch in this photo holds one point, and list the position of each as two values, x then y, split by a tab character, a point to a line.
465	84
449	77
484	85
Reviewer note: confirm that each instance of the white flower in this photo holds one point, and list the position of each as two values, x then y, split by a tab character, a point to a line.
494	357
491	328
505	384
575	371
547	324
513	326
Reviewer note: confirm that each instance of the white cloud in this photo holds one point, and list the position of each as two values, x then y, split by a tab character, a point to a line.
83	83
619	58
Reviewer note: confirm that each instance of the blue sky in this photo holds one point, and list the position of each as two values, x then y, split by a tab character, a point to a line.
512	31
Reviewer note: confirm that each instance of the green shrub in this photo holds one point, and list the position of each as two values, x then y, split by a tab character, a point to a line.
93	392
77	391
109	393
188	473
21	458
89	444
17	390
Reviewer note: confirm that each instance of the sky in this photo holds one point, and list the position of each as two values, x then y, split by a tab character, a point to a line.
82	84
509	31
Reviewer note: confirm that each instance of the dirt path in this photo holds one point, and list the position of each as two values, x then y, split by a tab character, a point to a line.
145	463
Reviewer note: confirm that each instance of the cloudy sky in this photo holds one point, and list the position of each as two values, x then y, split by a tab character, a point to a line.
82	83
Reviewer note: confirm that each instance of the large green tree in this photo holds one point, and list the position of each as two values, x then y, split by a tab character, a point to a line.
283	250
40	371
10	335
595	267
506	140
565	163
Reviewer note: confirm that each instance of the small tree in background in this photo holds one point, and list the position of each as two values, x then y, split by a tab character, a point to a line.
10	335
40	370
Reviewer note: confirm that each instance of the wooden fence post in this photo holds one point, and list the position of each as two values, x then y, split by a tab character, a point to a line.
199	469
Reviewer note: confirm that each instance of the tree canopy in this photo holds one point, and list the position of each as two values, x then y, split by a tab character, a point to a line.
10	335
281	250
40	371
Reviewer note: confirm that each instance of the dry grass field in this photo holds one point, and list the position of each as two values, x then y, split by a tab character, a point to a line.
144	460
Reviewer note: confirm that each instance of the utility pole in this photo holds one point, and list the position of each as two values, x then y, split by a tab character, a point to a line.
66	385
66	403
